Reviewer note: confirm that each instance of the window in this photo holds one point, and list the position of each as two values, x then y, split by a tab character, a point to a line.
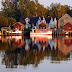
69	41
43	27
69	27
16	28
40	27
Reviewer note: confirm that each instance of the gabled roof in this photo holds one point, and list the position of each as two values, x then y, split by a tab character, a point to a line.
68	24
19	23
42	24
33	20
67	15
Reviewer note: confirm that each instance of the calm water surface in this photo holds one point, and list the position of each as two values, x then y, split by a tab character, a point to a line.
35	54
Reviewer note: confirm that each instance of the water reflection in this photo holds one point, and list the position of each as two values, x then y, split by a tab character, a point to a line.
19	51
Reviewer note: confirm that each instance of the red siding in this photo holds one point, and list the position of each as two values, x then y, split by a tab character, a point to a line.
17	43
68	42
68	27
42	26
16	26
41	30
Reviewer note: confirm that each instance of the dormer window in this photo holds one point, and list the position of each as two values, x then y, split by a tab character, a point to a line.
27	20
69	27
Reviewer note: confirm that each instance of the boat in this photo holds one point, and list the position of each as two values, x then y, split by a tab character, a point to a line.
49	32
41	30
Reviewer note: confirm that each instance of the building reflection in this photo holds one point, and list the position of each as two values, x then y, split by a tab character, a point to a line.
18	41
43	42
65	45
11	42
35	50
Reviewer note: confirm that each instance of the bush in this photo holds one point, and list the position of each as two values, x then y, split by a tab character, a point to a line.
27	29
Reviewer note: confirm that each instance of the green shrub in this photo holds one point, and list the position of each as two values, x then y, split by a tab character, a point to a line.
27	29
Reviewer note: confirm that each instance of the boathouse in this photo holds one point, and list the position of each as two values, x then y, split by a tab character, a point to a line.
42	28
18	26
68	27
64	20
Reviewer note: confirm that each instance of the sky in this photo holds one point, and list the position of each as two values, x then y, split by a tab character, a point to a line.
0	4
48	2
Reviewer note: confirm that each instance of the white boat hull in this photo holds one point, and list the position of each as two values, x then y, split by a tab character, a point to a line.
42	33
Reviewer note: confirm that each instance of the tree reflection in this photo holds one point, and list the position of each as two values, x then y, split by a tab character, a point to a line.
34	51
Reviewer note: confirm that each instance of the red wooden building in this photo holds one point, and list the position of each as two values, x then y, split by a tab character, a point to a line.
42	28
68	27
18	26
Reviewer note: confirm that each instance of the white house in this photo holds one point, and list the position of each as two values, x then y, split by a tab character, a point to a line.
27	25
52	23
38	20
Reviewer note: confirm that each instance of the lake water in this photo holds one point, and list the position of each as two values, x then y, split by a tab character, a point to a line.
35	54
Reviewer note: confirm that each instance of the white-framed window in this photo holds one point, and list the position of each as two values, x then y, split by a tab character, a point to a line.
16	28
69	27
43	27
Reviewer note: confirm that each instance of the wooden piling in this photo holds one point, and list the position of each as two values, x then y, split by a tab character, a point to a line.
70	34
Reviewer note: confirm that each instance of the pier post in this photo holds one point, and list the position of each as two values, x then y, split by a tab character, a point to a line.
6	33
11	33
70	34
64	34
53	34
2	33
61	34
57	34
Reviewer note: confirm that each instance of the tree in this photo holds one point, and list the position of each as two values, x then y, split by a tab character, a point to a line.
10	9
70	12
3	21
11	21
57	10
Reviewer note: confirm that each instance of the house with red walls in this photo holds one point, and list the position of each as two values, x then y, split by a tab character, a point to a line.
18	26
68	28
64	20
